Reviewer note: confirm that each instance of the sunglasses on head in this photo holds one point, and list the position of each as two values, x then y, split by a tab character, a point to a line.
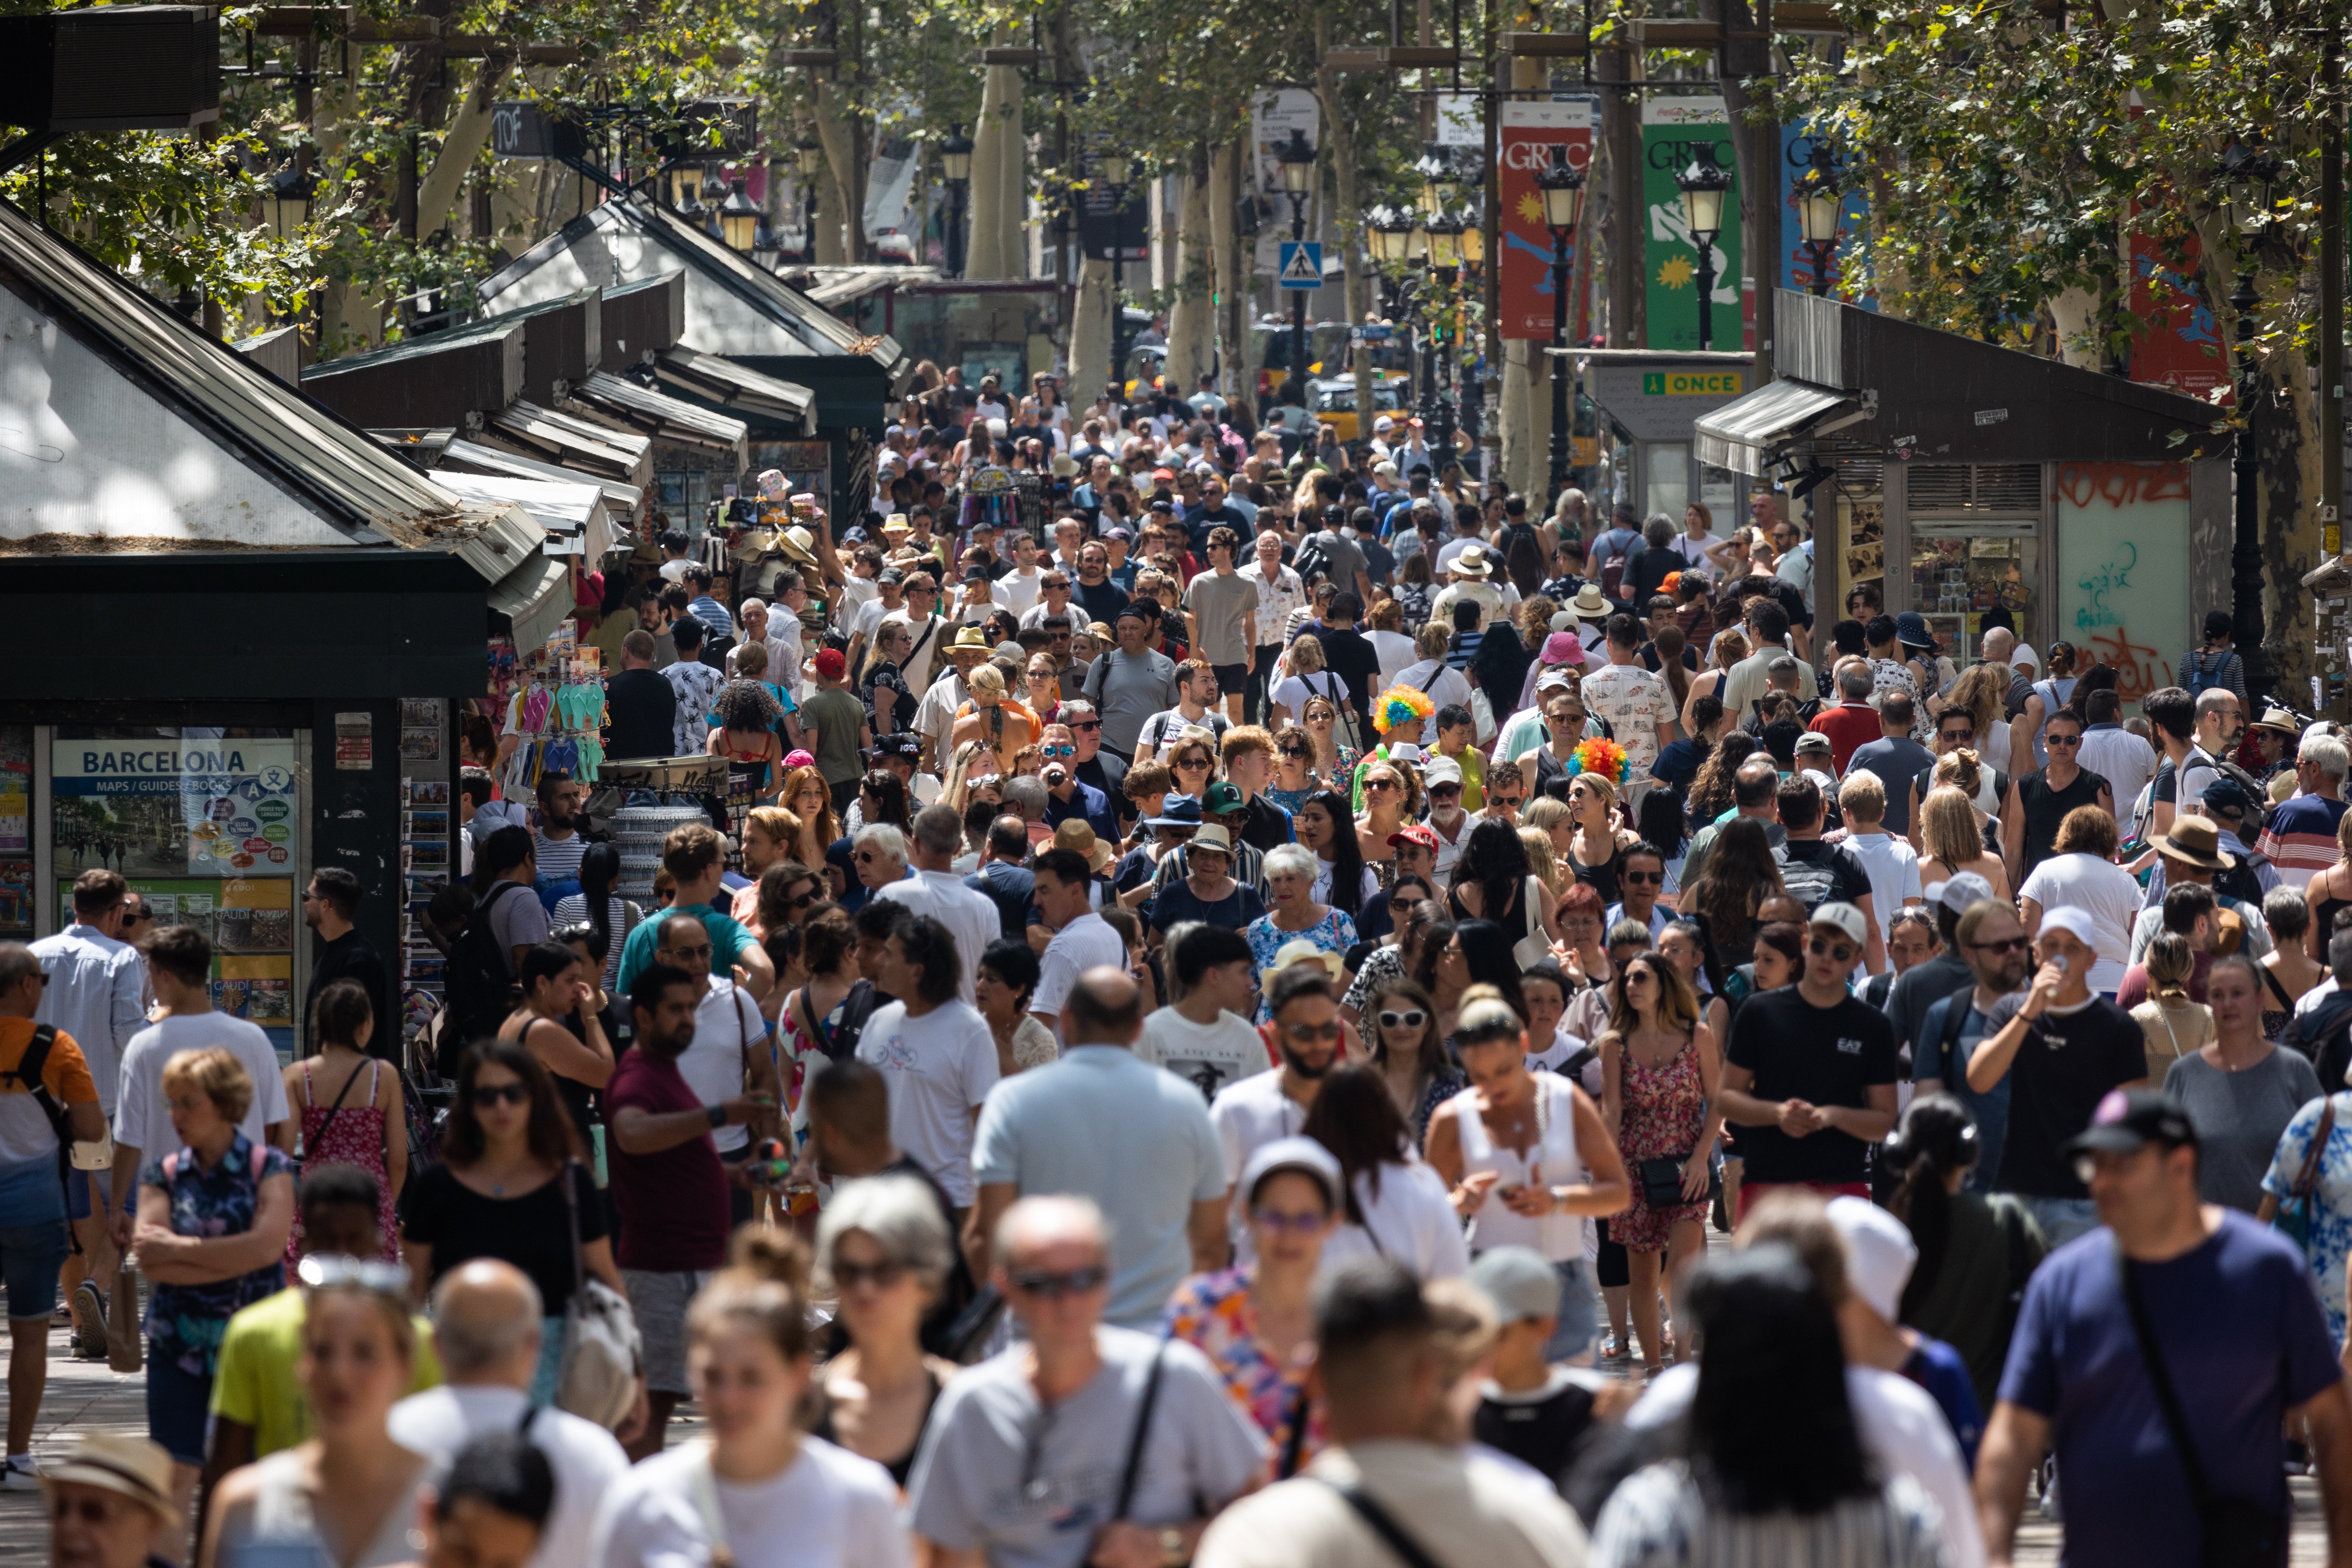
1053	1286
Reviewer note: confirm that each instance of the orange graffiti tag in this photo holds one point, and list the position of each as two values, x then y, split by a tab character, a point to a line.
2139	669
2120	484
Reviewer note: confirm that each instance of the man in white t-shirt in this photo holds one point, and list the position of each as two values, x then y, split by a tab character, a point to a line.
936	891
1082	939
1018	589
936	1052
1893	864
179	966
1305	1005
730	1040
1206	1038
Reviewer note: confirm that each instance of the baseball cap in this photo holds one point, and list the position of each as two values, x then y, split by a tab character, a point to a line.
1441	770
2128	1119
1405	752
832	663
1846	919
1120	534
2226	794
1958	892
1304	1155
1413	833
1138	611
977	574
906	743
1555	680
1221	798
1879	1253
1518	1281
1813	741
890	575
1164	476
2074	920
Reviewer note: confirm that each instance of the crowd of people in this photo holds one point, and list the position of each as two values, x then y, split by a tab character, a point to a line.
1224	1041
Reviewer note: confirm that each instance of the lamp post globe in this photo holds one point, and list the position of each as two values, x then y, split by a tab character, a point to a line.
1561	186
1704	184
1820	209
738	219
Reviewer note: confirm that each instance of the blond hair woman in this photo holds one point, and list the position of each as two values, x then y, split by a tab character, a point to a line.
2171	1025
1951	838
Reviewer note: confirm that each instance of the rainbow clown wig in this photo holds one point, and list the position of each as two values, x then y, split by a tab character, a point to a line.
1598	754
1400	705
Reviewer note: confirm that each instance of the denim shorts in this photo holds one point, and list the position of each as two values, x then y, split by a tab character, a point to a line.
1580	1318
86	1192
179	1406
30	1257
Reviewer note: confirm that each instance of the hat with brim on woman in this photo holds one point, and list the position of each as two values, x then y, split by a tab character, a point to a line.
1176	811
2281	721
1911	631
2194	841
133	1466
1591	601
1301	951
1214	836
1077	836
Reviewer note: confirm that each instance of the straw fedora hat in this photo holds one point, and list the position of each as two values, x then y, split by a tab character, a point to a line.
2195	841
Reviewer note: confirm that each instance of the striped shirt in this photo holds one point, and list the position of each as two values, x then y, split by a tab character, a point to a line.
2301	837
1657	1518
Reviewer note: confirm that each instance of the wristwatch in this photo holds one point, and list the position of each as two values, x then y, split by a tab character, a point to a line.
718	1114
1171	1547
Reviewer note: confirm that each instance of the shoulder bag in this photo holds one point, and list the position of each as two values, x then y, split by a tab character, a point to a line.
1382	1523
597	1379
2237	1533
2294	1218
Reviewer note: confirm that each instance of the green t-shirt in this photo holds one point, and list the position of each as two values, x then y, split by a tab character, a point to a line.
256	1384
838	716
728	940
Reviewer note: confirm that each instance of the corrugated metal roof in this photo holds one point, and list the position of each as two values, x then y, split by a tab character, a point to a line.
354	483
577	516
589	448
663	416
462	456
761	290
831	286
725	381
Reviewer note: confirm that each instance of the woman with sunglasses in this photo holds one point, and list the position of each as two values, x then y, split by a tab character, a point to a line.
1295	777
1041	688
1255	1322
810	800
1660	1074
1294	915
1335	760
558	1024
1399	952
345	1120
780	900
347	1495
495	1193
1408	1048
1324	826
1597	841
599	905
883	686
1192	762
883	1246
1392	801
1526	1160
758	1493
1392	1204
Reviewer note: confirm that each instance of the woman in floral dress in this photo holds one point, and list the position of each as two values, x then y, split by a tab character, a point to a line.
1256	1322
1295	916
2329	1204
1660	1072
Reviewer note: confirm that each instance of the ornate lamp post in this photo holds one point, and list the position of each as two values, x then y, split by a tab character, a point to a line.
1821	208
1445	230
2246	177
291	190
738	219
955	167
1562	188
1703	185
1297	160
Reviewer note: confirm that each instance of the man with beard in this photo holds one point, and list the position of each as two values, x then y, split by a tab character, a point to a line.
1449	825
668	1184
1992	943
1270	1105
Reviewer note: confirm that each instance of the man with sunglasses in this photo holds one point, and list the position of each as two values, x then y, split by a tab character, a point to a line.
1641	881
1024	1457
1067	795
2039	801
1811	1070
1992	943
1955	732
1306	1033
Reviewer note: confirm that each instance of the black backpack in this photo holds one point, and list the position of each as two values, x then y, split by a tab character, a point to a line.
27	1072
481	995
1311	563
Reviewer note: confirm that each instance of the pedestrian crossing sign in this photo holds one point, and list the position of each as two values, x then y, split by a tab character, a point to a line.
1302	264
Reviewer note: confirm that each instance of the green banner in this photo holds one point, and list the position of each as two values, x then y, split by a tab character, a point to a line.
1672	131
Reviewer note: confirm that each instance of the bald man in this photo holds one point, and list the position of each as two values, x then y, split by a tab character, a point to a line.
486	1326
1134	1137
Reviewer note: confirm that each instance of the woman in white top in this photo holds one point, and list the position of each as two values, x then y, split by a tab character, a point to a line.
2082	871
1303	676
1395	1206
1384	629
348	1494
1692	544
1527	1158
755	1493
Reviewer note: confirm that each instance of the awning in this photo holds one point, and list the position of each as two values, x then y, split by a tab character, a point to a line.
1740	435
576	442
460	455
578	517
832	286
664	417
535	596
736	386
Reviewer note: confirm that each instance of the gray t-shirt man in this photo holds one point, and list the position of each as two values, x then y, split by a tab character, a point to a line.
517	920
1348	563
1126	689
1131	1136
1024	1486
1224	603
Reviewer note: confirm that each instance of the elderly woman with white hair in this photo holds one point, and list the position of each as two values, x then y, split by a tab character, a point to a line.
883	1249
1292	914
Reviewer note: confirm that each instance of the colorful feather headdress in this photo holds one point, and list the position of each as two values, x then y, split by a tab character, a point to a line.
1598	754
1400	705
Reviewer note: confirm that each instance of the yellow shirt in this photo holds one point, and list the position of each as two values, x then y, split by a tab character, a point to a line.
256	1382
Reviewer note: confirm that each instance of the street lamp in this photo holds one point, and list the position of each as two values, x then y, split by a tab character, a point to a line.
1390	233
1113	168
291	190
683	178
1561	186
955	167
1296	157
713	197
1821	208
2245	179
1703	185
1439	183
738	219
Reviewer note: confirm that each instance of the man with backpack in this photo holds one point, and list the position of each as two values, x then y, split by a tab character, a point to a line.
1994	946
508	922
43	1062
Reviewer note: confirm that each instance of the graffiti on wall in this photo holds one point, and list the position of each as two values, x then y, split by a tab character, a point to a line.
2123	562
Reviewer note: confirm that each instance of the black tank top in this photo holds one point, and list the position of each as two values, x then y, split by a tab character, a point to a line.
1543	1432
904	1465
2045	808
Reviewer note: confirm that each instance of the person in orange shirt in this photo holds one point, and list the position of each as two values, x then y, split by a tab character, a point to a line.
993	716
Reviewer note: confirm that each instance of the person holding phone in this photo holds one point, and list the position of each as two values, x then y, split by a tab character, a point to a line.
2062	1048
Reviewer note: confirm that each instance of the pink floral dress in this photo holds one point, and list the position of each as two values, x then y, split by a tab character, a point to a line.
1664	1109
352	1135
1211	1313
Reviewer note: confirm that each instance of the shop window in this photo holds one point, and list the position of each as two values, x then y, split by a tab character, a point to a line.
1667	484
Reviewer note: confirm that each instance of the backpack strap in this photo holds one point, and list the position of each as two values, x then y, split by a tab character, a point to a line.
1382	1523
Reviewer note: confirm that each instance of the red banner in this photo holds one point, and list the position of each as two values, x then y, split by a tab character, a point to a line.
2181	347
1529	131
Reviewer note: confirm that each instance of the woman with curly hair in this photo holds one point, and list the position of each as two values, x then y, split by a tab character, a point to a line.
754	753
1295	777
1711	790
1740	874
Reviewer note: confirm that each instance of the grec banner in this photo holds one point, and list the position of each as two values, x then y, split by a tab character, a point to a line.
1673	130
1528	133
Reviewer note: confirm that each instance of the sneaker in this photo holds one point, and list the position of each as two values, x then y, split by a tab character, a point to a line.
20	1475
89	1321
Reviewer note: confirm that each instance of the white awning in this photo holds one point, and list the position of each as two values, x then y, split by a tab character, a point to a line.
574	442
535	596
666	418
460	455
1740	435
578	517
